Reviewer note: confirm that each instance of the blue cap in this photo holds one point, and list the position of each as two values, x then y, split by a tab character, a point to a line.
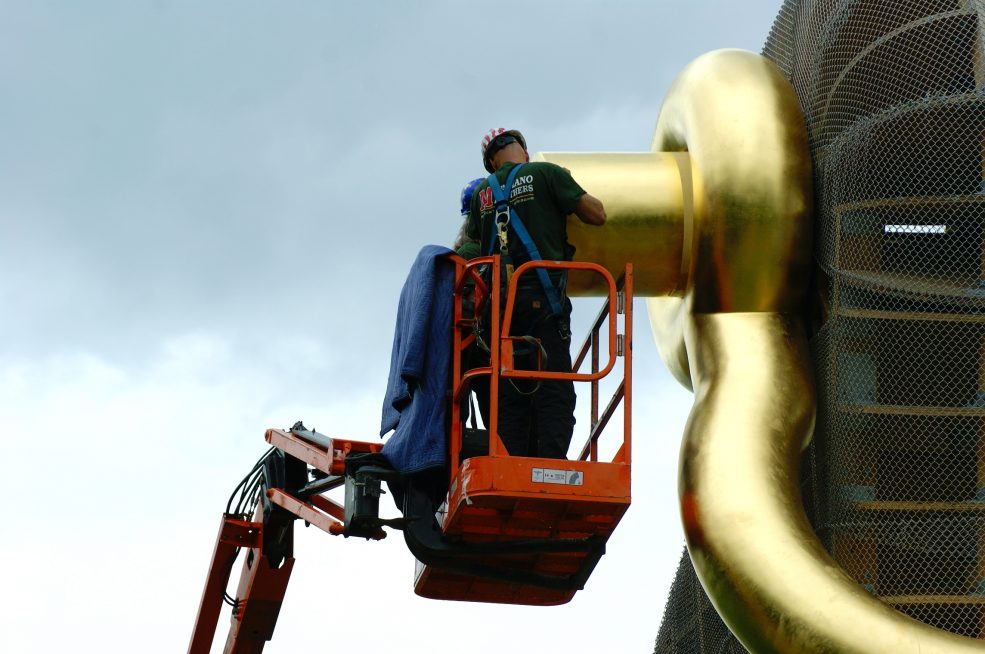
467	193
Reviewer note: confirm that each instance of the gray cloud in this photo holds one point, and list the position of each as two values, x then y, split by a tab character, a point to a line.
170	165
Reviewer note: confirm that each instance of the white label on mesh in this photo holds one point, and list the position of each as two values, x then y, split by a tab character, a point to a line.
549	476
916	229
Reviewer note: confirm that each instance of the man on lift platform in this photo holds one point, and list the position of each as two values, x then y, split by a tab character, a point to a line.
520	212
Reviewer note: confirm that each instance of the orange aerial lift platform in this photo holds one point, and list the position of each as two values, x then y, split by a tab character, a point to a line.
508	529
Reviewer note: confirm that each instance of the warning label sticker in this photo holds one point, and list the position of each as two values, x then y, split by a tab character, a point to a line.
549	476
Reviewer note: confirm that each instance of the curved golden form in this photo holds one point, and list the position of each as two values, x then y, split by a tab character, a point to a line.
717	220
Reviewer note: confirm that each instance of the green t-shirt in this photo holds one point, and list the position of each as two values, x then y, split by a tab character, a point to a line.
543	195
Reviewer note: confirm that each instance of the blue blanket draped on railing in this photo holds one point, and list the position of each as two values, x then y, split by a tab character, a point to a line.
415	404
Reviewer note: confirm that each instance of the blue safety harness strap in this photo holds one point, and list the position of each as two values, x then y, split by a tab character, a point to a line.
502	202
501	195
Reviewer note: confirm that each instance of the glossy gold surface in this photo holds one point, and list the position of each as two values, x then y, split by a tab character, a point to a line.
767	574
644	202
722	234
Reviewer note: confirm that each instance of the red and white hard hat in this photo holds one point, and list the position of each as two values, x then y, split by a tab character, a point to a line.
496	139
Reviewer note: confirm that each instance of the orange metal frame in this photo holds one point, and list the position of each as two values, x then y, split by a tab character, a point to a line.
501	352
262	587
497	498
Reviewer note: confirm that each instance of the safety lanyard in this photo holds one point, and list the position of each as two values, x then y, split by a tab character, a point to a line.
506	216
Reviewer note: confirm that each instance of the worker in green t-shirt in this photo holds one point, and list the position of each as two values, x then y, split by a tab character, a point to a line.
465	247
542	195
475	357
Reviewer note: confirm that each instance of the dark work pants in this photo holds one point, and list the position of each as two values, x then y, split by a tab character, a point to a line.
537	421
478	358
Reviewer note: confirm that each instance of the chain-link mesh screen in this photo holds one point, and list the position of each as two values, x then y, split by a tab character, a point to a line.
690	623
894	97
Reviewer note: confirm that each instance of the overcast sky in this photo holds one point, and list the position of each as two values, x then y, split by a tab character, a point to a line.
207	210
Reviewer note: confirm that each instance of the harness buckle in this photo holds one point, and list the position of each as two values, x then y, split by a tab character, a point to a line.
501	231
502	213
